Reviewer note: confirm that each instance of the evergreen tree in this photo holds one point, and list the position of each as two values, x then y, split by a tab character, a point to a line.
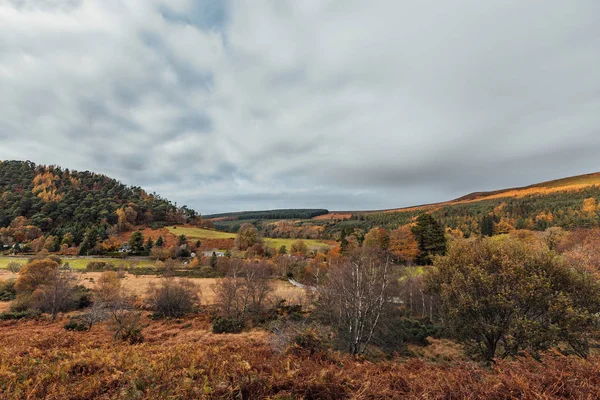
487	225
159	242
148	246
430	238
136	242
213	260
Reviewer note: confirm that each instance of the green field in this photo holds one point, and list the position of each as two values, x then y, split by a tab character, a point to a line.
79	262
200	233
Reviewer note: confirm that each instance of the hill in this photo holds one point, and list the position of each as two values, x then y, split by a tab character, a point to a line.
46	199
568	203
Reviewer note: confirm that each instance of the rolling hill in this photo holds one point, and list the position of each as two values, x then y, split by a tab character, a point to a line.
567	202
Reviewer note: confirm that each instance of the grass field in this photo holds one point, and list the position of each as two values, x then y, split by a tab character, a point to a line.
79	263
200	233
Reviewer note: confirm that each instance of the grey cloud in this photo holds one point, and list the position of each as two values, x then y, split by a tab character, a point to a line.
229	105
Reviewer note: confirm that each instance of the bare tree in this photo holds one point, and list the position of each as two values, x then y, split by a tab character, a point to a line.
57	294
356	297
245	288
173	297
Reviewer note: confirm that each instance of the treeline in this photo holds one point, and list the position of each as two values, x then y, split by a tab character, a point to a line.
49	200
569	209
294	213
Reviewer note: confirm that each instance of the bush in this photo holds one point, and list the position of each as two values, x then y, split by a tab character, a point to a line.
14	267
299	337
173	298
227	325
14	315
7	290
127	326
76	324
99	266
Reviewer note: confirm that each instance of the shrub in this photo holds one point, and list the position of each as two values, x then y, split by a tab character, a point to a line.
99	266
127	326
227	325
14	267
7	290
76	324
173	298
299	337
14	315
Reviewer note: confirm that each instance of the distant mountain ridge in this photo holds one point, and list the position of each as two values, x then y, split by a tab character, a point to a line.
568	203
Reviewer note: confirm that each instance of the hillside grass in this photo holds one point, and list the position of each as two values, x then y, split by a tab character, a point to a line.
201	233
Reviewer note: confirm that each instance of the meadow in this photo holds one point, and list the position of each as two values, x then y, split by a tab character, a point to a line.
201	233
79	263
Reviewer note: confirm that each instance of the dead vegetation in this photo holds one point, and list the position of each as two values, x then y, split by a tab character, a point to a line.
181	359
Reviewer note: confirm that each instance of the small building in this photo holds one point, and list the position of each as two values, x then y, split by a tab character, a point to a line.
210	253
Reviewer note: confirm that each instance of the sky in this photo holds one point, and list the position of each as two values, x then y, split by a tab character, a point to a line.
228	105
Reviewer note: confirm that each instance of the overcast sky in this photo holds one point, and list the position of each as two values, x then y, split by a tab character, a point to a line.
260	104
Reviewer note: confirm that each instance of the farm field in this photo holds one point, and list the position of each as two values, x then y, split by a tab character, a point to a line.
138	285
79	263
201	233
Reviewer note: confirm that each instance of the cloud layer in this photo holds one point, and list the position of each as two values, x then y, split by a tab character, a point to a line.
229	105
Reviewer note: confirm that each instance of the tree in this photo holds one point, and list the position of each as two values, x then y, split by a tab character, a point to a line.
430	238
136	242
57	293
377	238
35	274
213	260
356	297
148	246
160	242
282	250
244	290
173	298
403	244
247	237
501	296
487	225
299	247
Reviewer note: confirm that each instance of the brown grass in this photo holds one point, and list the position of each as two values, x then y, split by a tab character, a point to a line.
138	285
183	360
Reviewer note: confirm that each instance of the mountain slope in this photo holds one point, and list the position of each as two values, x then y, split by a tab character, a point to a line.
568	203
57	201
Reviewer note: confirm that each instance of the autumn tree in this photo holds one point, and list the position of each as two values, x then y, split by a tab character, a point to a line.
403	244
57	294
501	296
35	274
299	247
377	238
430	238
247	237
44	286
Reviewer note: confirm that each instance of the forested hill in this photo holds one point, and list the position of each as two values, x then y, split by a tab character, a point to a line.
58	201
